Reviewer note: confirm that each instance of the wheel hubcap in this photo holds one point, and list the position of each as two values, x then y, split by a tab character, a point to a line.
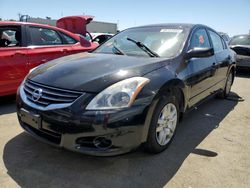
166	124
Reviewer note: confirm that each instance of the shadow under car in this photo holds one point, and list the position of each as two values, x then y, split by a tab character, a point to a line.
34	164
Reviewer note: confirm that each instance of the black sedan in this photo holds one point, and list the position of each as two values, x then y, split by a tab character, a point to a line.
131	90
241	45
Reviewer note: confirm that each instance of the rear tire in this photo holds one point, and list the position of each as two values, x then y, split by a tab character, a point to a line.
224	94
163	124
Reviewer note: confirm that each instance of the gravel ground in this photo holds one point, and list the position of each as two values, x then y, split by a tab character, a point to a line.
211	149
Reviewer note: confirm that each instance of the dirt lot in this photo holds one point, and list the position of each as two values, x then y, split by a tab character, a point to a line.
211	149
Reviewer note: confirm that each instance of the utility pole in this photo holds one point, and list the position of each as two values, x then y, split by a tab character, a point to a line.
24	18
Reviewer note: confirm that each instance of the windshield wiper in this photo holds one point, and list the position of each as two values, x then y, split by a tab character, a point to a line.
117	49
144	47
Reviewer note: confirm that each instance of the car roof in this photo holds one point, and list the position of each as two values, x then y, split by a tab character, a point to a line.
241	35
24	23
222	33
99	34
174	25
39	25
187	26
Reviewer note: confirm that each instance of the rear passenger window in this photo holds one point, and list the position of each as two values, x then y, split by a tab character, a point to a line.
217	42
68	39
199	39
224	43
42	36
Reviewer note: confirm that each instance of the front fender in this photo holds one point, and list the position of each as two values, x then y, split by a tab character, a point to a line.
160	80
165	78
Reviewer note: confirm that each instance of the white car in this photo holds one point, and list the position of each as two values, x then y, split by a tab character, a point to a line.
100	37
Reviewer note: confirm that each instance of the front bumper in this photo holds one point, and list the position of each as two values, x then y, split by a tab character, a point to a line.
72	127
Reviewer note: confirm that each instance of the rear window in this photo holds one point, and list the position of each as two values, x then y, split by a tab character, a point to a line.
225	37
217	41
240	40
68	39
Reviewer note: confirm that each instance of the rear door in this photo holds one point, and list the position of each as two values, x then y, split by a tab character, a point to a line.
13	58
222	56
201	70
45	44
76	46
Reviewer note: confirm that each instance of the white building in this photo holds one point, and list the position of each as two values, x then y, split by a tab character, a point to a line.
92	27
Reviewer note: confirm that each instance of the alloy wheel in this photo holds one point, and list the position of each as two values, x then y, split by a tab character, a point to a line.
166	124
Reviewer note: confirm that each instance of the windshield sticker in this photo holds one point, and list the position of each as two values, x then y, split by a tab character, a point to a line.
171	30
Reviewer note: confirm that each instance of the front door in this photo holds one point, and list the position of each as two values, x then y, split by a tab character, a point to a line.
201	71
13	59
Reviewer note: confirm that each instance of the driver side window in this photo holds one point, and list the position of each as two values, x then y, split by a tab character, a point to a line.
10	36
199	39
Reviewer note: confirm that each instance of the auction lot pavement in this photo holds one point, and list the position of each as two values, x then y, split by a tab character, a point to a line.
211	149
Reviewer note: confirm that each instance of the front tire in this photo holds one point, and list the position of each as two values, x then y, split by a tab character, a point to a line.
163	124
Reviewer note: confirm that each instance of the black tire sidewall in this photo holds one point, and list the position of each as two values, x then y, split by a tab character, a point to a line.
230	73
224	94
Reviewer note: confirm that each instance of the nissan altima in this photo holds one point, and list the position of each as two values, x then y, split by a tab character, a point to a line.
130	91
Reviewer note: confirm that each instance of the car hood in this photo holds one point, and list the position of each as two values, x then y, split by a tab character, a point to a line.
92	72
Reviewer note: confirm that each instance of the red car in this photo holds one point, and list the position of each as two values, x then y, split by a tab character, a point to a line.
27	45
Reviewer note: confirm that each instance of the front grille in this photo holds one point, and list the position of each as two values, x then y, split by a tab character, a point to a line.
50	95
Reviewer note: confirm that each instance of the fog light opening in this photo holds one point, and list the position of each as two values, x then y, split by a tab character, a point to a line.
102	143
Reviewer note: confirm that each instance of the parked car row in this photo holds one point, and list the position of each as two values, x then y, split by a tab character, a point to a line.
241	45
131	90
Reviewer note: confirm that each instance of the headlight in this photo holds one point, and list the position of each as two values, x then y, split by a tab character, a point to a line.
119	95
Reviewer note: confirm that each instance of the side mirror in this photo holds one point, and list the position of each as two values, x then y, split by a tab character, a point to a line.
199	53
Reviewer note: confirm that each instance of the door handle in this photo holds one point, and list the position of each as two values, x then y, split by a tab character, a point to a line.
18	53
64	50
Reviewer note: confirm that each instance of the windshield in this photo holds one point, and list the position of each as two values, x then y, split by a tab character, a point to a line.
240	40
87	37
165	42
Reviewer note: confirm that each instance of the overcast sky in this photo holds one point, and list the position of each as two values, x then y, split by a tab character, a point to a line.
232	17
